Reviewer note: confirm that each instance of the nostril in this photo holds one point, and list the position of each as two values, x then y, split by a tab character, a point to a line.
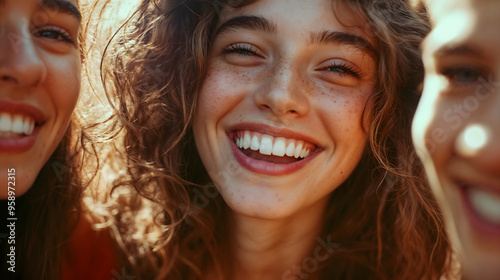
265	106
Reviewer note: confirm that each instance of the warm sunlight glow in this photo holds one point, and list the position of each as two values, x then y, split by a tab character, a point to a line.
472	139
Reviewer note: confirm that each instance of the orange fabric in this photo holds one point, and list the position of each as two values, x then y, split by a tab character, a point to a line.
90	255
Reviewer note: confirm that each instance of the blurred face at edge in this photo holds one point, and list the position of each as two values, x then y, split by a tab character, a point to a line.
456	129
40	67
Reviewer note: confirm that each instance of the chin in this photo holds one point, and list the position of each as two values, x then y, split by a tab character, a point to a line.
23	183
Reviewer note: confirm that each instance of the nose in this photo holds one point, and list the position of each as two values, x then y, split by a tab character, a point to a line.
285	93
479	140
20	61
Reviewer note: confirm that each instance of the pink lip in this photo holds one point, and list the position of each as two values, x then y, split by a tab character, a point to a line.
13	107
24	143
478	223
265	167
19	144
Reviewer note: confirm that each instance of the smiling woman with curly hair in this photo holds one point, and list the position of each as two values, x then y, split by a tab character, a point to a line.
271	139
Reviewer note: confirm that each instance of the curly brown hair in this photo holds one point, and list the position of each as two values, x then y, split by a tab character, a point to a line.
385	216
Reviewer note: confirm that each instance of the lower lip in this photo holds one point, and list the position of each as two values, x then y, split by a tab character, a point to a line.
269	168
19	144
479	224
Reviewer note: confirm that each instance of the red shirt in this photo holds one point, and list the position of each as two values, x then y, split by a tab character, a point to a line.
90	255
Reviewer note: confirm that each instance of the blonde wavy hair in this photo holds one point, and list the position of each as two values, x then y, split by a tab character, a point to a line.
385	216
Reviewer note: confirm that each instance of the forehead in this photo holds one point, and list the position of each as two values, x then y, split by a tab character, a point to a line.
299	18
472	22
440	9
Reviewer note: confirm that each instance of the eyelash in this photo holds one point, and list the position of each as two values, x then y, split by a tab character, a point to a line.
241	49
62	35
346	70
246	49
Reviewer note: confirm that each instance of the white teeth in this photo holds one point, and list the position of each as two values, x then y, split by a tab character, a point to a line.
32	127
279	147
254	145
298	150
486	204
266	145
11	125
304	154
290	150
17	124
26	126
247	140
5	122
269	145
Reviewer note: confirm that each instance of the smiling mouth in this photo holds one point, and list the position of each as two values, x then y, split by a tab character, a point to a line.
485	204
265	147
16	125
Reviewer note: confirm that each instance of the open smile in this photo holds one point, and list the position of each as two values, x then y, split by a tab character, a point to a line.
271	154
483	208
19	126
280	147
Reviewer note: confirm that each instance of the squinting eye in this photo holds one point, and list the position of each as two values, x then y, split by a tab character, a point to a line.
343	69
242	49
462	75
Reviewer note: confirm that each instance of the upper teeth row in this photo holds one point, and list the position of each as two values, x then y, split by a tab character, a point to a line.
16	123
268	145
486	204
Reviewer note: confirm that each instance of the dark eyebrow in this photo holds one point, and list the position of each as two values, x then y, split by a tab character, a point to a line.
247	22
62	6
458	49
343	38
325	37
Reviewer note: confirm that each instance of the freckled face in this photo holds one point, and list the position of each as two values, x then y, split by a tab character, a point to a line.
456	128
39	84
279	121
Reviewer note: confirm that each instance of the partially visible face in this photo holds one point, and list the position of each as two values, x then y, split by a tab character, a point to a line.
457	127
39	84
279	122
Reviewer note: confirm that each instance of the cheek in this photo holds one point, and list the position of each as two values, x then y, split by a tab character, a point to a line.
438	129
222	90
65	87
343	112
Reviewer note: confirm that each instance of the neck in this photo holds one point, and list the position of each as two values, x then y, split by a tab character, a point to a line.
273	249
